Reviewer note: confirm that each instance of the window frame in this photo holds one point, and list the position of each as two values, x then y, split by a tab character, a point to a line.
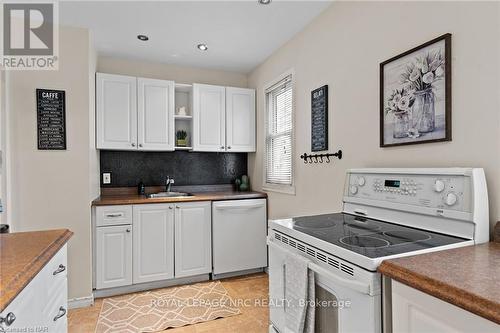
271	187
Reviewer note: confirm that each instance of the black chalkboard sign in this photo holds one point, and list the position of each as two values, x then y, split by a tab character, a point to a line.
51	119
319	119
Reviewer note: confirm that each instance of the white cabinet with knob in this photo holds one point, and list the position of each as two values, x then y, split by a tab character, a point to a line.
193	239
43	303
209	118
224	119
153	242
240	120
135	244
116	111
155	114
114	256
134	113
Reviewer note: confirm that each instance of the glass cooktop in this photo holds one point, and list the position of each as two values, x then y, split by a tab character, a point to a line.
368	237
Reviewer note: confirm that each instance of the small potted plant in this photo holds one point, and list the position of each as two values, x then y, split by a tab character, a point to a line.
181	138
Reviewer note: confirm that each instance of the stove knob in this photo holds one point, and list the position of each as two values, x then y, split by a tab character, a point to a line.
439	186
361	181
353	189
451	199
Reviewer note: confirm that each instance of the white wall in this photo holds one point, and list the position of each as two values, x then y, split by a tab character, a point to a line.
51	189
343	48
180	74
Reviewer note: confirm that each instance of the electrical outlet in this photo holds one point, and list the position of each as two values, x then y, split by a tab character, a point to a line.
106	178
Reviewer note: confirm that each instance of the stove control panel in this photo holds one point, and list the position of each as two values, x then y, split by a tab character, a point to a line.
447	191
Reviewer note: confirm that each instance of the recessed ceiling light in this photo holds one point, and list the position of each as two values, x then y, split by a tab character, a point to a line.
142	38
202	47
264	2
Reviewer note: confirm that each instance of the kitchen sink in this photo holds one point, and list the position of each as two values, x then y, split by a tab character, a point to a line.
168	195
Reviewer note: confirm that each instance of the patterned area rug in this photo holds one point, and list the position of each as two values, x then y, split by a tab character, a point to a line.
157	310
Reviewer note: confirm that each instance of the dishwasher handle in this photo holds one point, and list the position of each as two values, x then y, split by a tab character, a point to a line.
242	205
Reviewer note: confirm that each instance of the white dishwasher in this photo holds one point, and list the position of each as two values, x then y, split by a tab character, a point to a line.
239	229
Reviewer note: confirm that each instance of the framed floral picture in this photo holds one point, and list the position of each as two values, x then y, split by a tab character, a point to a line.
415	95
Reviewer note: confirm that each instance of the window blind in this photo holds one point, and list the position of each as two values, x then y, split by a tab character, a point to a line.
279	133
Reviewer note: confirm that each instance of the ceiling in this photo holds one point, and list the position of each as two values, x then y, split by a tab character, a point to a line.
240	34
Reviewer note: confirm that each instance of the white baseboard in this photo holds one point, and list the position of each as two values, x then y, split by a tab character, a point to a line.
81	302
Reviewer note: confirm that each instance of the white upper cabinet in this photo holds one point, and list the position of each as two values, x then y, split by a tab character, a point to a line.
209	117
240	120
155	100
134	113
138	114
224	119
116	112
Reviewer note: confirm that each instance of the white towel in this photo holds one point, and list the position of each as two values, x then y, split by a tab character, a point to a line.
299	286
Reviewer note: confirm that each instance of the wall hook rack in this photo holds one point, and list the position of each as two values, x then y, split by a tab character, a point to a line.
320	158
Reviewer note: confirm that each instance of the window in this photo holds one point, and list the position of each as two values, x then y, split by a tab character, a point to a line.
279	136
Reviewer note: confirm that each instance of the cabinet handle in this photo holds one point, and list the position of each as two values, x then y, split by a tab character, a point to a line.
228	147
8	320
60	269
170	207
62	312
177	207
222	147
128	230
133	144
140	144
114	215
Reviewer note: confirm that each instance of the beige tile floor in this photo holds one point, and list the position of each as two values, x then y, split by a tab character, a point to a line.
251	291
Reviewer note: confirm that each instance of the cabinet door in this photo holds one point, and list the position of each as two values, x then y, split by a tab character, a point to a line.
153	242
240	120
193	245
113	256
415	312
116	112
209	112
155	114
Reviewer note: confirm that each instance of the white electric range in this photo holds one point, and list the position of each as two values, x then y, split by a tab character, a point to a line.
387	213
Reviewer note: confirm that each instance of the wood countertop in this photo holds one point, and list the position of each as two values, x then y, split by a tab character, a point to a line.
133	199
468	277
22	257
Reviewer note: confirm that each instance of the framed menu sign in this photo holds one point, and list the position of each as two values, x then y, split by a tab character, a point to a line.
51	119
319	119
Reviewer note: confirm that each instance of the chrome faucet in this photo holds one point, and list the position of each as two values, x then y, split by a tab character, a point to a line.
168	183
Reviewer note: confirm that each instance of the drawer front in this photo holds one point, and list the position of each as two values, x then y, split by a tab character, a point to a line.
55	273
113	215
55	312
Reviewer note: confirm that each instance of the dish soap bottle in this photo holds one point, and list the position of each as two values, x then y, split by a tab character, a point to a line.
141	189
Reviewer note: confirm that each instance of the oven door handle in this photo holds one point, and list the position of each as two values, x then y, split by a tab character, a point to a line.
356	285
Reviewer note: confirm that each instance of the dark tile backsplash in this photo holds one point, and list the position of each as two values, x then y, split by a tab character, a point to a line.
187	168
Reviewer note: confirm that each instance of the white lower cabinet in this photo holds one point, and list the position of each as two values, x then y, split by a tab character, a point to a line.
42	305
153	244
193	239
416	312
113	256
163	241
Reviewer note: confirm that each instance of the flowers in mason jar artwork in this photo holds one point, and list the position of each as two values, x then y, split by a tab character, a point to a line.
418	76
422	73
400	100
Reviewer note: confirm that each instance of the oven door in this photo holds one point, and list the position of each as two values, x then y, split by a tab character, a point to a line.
342	305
